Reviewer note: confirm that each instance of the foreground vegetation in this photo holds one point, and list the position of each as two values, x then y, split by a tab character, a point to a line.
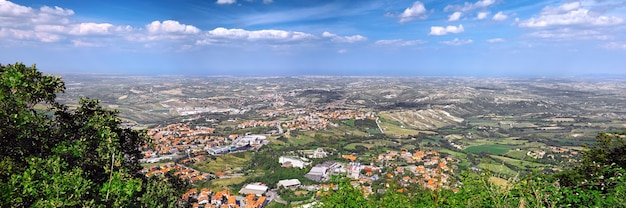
599	181
60	157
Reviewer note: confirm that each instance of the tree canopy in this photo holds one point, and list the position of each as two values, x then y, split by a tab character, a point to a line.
52	155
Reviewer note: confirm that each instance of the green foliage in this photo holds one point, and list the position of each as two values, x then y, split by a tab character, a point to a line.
600	181
608	149
63	157
49	183
346	195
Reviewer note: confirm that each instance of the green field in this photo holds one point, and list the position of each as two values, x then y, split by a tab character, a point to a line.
494	149
516	154
497	168
224	183
369	144
518	163
458	155
392	128
224	163
349	122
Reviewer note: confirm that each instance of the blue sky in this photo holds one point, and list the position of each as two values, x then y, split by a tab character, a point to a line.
317	37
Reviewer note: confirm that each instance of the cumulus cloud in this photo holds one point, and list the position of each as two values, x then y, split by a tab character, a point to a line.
500	16
457	42
399	42
8	8
482	15
436	30
28	35
567	15
220	34
171	26
467	6
91	29
417	10
454	16
495	40
226	1
343	39
49	24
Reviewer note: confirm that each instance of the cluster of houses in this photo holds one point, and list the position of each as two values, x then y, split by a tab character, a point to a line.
222	199
180	138
178	170
306	119
426	168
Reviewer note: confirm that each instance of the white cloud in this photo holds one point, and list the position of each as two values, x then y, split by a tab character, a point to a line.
467	6
226	1
50	28
454	16
495	40
500	16
171	26
343	39
417	10
80	43
399	42
57	11
8	8
569	14
28	35
568	33
457	42
482	15
275	35
268	1
91	29
48	24
342	51
436	30
615	45
562	8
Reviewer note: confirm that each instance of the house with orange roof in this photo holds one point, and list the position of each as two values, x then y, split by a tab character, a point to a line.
350	157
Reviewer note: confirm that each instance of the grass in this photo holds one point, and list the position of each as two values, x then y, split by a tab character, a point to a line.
392	129
516	154
373	131
369	144
518	163
455	154
223	183
497	168
500	182
494	149
224	163
349	122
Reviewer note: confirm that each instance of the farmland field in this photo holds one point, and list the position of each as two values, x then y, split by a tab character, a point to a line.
495	149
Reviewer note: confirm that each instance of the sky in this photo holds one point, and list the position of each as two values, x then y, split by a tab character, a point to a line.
317	37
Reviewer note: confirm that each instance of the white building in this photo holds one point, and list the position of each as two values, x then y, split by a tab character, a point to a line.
296	163
290	183
318	174
254	188
318	153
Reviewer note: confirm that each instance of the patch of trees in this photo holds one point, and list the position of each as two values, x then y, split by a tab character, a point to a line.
267	160
599	181
64	157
